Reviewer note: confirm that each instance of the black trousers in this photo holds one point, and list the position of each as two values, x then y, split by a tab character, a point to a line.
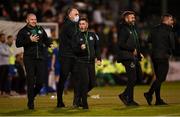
67	66
161	67
133	71
85	81
35	69
4	78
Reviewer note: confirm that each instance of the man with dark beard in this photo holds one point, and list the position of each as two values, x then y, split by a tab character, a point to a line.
88	52
129	55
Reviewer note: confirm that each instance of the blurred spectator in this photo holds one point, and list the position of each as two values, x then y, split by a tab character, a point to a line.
55	65
112	40
18	84
4	64
12	70
97	15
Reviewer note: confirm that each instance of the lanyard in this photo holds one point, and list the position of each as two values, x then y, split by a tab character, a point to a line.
135	37
87	43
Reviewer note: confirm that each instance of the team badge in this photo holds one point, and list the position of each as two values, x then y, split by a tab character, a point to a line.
39	32
132	65
90	38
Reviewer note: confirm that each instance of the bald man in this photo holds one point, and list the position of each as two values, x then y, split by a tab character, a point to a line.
33	39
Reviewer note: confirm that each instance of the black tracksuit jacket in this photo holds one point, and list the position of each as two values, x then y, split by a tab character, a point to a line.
128	41
92	51
68	38
33	49
162	40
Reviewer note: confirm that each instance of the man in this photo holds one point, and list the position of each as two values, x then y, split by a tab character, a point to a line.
4	64
162	40
33	38
67	44
55	65
87	52
12	69
129	55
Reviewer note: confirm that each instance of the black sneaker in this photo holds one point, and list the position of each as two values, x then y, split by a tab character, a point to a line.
30	105
148	98
85	107
75	106
60	105
122	97
80	104
160	102
133	103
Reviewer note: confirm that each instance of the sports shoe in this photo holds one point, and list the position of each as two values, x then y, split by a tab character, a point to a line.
148	98
60	105
123	98
160	102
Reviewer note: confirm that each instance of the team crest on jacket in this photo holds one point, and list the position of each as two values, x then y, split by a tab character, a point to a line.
132	65
28	33
81	39
39	32
91	38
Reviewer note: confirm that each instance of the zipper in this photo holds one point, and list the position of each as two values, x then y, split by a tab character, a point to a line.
135	37
37	53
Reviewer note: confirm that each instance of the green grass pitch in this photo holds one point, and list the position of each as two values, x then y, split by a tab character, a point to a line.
107	105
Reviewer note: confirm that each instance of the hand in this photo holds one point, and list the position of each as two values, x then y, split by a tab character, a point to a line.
142	56
34	38
52	46
83	46
135	52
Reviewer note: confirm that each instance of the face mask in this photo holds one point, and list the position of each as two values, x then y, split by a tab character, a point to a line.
76	19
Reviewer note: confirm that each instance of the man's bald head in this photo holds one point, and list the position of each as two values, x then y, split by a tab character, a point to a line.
31	20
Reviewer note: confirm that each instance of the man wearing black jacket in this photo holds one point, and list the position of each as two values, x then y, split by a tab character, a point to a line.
129	55
33	38
88	51
67	57
162	40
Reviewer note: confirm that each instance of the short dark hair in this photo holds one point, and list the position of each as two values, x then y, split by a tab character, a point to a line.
83	19
2	34
165	16
9	36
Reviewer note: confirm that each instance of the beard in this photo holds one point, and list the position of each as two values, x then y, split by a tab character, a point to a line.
132	23
83	29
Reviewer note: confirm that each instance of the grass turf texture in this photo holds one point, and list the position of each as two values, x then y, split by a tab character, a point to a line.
108	104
